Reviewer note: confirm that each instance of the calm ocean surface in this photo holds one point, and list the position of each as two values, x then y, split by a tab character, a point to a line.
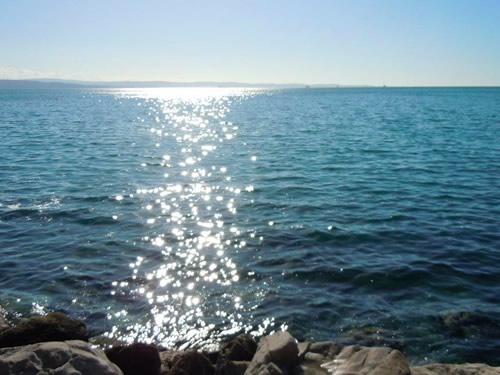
180	216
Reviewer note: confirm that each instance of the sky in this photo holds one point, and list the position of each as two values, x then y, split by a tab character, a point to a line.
352	42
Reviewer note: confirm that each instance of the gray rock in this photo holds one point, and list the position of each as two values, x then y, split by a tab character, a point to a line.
368	361
58	358
314	357
280	349
328	349
303	349
465	369
270	369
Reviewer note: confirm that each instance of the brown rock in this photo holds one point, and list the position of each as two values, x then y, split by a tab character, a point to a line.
465	369
242	348
51	327
191	363
368	361
136	359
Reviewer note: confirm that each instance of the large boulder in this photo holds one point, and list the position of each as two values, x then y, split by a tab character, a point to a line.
368	361
51	327
276	352
61	358
136	359
466	369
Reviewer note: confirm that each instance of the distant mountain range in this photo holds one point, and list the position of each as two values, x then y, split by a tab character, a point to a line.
62	83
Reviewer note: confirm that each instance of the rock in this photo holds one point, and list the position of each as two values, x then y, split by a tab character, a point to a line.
242	348
314	357
232	368
4	325
328	349
303	349
61	358
51	327
136	359
191	363
213	357
280	349
368	361
167	359
465	369
467	323
309	368
373	336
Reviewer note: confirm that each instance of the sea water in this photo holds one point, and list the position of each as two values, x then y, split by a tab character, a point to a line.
183	216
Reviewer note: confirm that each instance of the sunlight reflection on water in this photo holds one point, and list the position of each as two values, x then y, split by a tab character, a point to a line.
191	218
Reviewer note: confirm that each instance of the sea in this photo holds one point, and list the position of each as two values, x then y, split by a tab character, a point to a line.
184	216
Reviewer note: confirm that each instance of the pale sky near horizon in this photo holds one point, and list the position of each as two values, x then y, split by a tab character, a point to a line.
391	42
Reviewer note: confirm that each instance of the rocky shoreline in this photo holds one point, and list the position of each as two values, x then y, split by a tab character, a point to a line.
58	344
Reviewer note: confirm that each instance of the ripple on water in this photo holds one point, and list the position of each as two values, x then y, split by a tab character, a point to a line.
180	216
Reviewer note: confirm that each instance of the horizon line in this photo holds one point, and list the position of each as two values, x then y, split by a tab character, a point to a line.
234	84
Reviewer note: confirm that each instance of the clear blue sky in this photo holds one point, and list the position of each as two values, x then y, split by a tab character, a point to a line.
375	42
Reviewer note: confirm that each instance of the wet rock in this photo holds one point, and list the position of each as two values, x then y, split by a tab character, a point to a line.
467	323
374	336
136	359
368	361
328	349
466	369
280	349
191	363
61	358
51	327
242	348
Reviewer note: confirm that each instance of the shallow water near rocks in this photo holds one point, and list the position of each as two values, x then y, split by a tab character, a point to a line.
181	216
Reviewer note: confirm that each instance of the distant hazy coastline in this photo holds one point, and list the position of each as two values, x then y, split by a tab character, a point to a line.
61	83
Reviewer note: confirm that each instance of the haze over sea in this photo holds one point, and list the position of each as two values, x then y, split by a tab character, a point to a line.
180	216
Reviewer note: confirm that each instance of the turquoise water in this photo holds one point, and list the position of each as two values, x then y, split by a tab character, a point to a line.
180	216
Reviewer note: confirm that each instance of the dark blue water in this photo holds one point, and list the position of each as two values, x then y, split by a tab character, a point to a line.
180	216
